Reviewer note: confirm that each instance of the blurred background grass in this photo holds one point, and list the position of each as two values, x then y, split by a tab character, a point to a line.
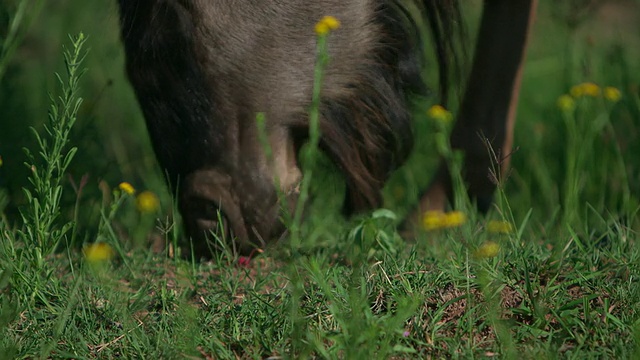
573	41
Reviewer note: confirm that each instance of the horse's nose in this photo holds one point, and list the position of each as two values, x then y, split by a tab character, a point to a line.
211	214
212	219
213	228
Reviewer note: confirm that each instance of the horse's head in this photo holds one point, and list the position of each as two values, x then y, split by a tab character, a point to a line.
203	70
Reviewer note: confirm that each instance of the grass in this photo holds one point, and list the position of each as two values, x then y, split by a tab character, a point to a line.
550	272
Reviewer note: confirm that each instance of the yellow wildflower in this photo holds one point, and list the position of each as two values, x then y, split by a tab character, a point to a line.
433	220
454	218
612	94
331	22
0	160
321	28
98	252
127	188
440	114
576	91
488	250
499	227
585	89
566	103
326	24
147	202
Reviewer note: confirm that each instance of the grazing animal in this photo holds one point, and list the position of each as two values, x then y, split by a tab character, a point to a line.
202	70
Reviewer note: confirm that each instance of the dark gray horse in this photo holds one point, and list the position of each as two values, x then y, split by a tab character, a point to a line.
203	69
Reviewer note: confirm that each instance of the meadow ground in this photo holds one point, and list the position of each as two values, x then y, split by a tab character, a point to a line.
88	266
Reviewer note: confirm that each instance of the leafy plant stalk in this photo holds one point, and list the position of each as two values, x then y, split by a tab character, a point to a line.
311	153
41	232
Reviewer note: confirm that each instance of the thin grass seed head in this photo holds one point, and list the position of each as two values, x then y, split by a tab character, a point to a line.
147	202
98	252
127	188
612	94
327	24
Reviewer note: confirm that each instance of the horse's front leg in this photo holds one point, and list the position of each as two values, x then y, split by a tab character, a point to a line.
487	112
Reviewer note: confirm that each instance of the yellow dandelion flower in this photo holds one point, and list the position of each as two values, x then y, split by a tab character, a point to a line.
98	252
454	219
566	103
331	22
591	89
326	24
127	188
499	227
321	28
147	202
432	220
440	114
488	250
612	94
585	89
576	91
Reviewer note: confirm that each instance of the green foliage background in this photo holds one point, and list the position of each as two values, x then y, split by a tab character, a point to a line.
111	134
